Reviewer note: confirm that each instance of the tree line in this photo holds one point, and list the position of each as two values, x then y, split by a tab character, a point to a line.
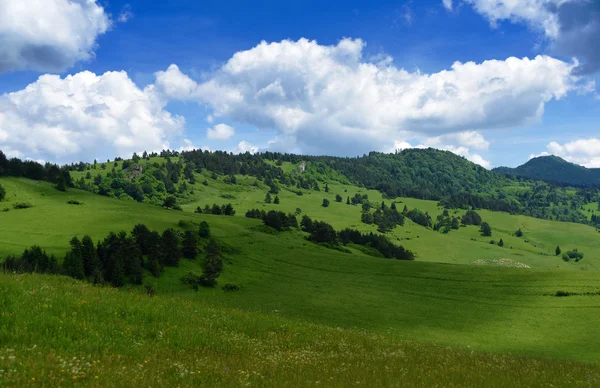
122	258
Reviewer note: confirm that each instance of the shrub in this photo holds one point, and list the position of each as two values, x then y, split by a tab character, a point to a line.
231	287
562	293
150	290
22	205
74	202
325	202
2	193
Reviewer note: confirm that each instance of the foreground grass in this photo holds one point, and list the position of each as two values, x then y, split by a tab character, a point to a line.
58	332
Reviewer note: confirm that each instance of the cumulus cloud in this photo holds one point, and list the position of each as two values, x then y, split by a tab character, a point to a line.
447	4
220	132
48	35
244	147
585	152
83	116
573	26
329	99
458	143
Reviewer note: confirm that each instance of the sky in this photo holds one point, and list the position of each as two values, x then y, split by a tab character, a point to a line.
495	81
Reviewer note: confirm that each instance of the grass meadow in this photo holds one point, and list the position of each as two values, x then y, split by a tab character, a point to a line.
305	313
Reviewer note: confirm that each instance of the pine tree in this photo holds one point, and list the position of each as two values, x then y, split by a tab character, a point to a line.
486	229
558	251
190	245
204	230
268	198
393	207
73	263
348	201
118	275
501	243
169	248
91	263
326	188
213	265
276	200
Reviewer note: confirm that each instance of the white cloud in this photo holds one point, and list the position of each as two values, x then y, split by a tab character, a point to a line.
209	119
328	99
458	143
572	26
126	14
83	116
447	4
187	145
220	132
244	147
585	152
48	35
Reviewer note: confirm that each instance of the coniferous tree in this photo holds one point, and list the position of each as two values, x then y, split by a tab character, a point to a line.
501	243
213	265
169	248
558	251
325	202
268	198
142	236
326	188
190	245
91	263
348	201
204	230
393	206
338	198
118	275
73	263
486	229
276	200
2	193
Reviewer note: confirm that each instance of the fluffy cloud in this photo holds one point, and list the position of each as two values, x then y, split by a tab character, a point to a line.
585	152
83	116
244	147
573	26
220	132
48	35
447	4
458	143
328	99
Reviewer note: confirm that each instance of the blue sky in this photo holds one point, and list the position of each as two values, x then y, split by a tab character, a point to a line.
292	97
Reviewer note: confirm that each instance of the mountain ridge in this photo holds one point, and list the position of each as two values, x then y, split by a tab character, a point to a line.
556	170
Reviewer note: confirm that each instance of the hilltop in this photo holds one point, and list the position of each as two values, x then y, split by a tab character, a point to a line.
556	170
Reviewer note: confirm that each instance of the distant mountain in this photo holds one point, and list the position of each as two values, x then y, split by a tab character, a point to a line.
555	169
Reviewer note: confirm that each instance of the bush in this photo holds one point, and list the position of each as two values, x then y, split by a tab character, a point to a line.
22	205
325	202
2	193
231	288
562	293
150	290
74	202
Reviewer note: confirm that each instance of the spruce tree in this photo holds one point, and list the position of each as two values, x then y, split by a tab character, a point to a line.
501	243
276	200
190	245
118	275
268	198
169	248
73	263
348	201
204	230
558	251
91	263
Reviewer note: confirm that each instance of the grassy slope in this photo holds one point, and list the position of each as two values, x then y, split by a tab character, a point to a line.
486	308
55	331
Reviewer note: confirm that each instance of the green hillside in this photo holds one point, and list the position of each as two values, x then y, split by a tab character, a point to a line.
555	169
507	310
79	335
462	291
